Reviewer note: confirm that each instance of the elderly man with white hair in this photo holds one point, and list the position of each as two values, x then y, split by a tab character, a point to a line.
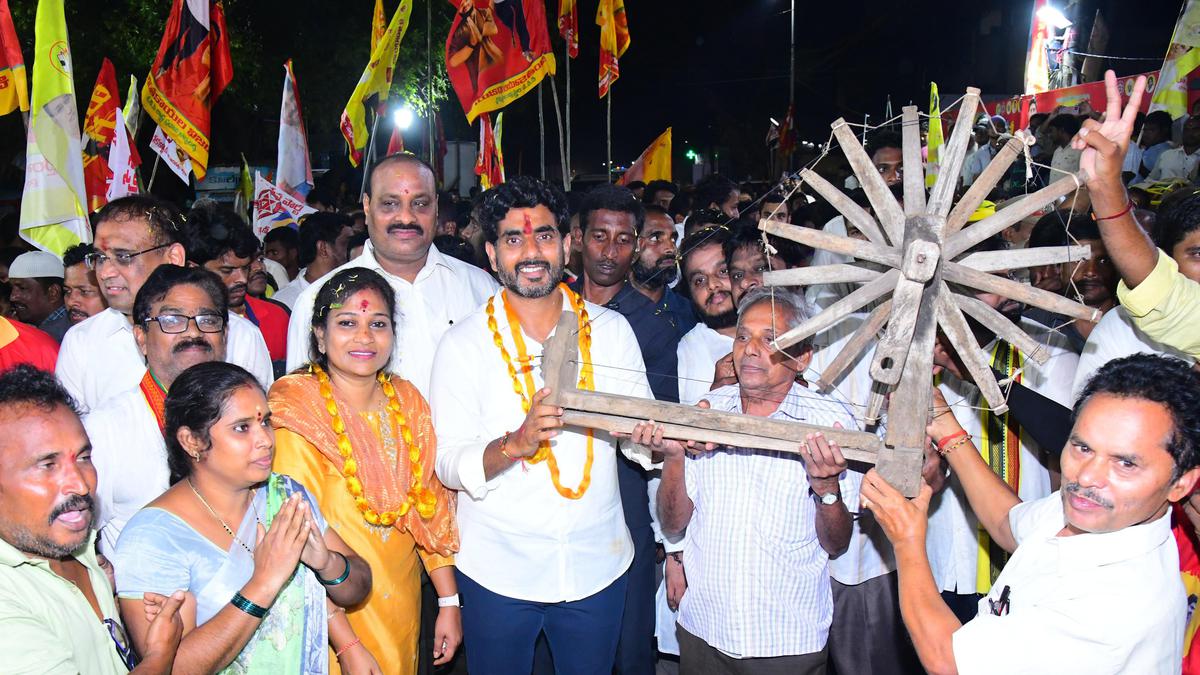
761	525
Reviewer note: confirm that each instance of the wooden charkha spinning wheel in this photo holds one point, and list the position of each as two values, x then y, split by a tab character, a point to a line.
912	254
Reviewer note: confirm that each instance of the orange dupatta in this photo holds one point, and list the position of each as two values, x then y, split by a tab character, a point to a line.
296	404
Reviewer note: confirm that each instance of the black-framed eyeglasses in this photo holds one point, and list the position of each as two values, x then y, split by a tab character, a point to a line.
121	641
177	323
95	259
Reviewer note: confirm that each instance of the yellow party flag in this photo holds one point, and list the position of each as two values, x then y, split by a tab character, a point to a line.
378	25
375	84
653	164
934	139
53	215
1183	56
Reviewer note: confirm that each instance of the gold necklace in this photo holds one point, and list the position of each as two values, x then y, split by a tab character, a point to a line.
219	519
418	495
586	381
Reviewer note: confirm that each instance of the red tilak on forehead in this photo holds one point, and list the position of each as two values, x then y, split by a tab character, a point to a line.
528	226
362	306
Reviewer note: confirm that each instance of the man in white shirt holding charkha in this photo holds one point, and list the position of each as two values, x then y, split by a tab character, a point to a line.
433	291
1093	584
761	525
99	357
545	547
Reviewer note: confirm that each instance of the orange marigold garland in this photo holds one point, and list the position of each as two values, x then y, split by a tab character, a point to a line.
586	381
418	495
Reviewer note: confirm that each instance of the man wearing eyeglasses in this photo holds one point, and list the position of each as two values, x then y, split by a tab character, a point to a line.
57	613
179	320
99	357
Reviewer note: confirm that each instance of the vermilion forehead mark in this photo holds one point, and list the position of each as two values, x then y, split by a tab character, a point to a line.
258	414
528	225
362	306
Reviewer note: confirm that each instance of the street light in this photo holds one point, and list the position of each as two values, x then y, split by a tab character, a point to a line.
1053	16
403	117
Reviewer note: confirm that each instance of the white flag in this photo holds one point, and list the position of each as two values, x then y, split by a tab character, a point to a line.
293	170
175	158
274	207
123	181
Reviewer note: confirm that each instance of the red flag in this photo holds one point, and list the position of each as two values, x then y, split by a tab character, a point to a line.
191	70
787	134
396	142
489	165
614	40
568	25
14	90
99	130
497	52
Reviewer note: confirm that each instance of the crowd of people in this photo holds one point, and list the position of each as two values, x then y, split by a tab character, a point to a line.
333	450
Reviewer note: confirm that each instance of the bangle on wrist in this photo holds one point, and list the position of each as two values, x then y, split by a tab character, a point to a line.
345	648
449	601
956	441
345	573
240	601
1127	209
504	446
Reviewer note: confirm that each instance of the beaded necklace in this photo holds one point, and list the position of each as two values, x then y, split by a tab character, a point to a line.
525	392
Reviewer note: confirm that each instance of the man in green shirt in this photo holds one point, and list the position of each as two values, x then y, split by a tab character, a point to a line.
57	613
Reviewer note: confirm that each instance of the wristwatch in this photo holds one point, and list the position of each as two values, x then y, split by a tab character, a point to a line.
829	498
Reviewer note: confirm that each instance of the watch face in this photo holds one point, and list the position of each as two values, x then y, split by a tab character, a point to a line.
830	499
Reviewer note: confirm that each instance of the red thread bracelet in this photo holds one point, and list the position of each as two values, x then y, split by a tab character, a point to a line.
941	445
1127	209
346	648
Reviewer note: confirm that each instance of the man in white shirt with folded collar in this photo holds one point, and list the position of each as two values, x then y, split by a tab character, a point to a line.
99	357
544	541
1093	584
761	526
433	291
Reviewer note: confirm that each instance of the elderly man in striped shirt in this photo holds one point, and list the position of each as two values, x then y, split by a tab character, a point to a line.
761	525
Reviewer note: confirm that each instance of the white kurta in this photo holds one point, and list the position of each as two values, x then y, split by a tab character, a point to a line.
952	541
444	291
130	456
564	549
698	351
99	357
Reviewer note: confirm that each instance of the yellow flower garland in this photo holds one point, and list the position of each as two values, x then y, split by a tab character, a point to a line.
418	495
586	381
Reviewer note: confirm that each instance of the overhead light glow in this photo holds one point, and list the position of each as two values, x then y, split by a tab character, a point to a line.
403	117
1051	15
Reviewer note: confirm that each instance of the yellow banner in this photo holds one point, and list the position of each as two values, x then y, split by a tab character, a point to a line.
501	94
178	128
375	82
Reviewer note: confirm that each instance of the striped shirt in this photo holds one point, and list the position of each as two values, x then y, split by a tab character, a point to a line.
758	579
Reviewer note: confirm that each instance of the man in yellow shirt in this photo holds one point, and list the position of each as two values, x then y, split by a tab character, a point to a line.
1161	298
57	613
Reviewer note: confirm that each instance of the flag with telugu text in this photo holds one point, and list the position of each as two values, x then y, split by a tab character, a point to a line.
175	158
99	130
274	207
53	203
653	164
374	85
496	52
614	40
191	70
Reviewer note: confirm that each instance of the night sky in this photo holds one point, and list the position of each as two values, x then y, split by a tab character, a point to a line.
717	70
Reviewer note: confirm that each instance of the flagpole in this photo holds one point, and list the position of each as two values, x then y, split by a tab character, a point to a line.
429	73
153	173
562	150
608	136
567	113
541	131
370	153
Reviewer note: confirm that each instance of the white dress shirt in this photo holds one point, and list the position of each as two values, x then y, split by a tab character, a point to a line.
953	542
99	357
698	351
130	456
520	537
1175	163
291	292
1114	337
443	292
1087	603
758	579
